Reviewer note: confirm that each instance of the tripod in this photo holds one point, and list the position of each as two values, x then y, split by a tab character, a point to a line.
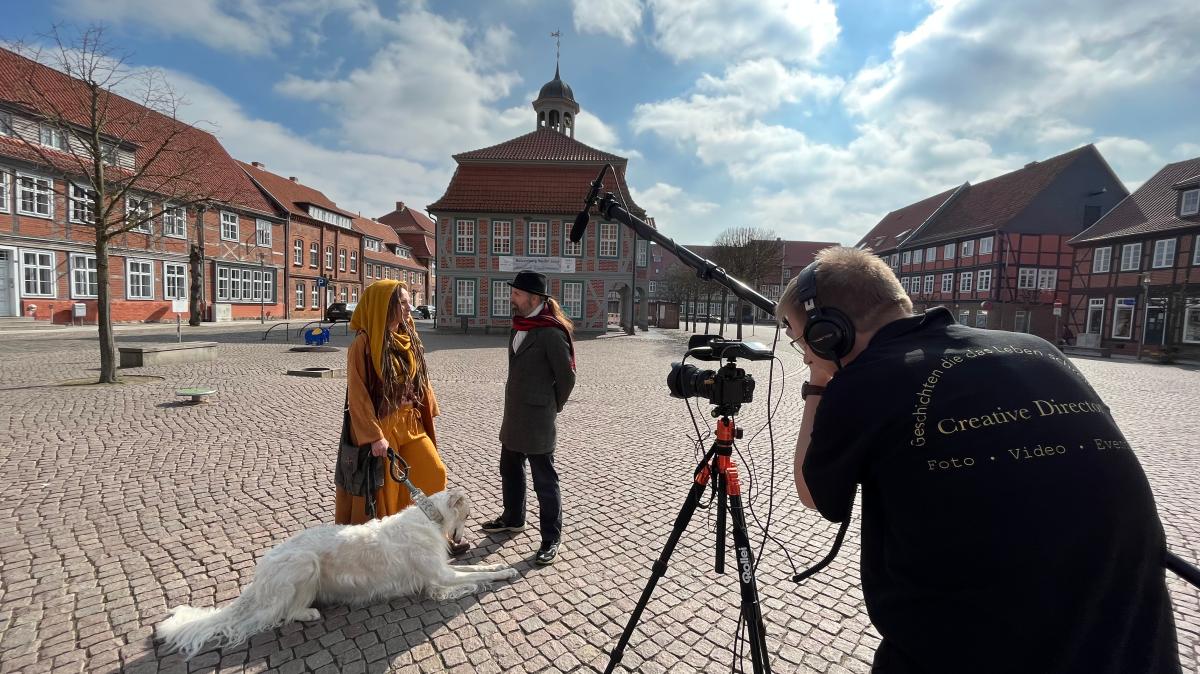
729	501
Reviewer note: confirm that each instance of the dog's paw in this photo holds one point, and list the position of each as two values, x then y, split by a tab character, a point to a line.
307	615
510	573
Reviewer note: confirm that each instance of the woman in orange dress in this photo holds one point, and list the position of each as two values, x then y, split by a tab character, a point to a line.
391	401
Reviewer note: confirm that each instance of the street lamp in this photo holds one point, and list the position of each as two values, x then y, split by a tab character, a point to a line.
262	290
1144	281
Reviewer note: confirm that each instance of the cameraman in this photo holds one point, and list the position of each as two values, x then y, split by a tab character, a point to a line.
1007	526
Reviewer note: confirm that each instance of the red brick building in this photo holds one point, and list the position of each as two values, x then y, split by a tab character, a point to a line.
228	254
321	243
419	233
510	207
996	253
385	256
1136	281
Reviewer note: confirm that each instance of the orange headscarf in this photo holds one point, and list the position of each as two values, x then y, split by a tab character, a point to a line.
370	316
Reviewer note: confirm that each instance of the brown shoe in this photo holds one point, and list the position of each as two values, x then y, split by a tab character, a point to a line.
457	548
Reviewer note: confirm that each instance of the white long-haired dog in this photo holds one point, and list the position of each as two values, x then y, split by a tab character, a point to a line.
398	555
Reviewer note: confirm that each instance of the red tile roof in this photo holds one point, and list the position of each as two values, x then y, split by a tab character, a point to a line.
525	188
407	219
421	244
901	223
388	236
293	195
541	145
1153	207
991	204
181	150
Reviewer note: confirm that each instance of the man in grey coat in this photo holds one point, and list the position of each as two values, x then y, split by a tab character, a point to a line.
541	374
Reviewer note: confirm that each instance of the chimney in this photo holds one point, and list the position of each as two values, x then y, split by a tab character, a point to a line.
258	164
292	178
400	206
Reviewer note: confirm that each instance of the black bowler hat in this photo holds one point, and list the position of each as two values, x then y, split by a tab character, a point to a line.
531	282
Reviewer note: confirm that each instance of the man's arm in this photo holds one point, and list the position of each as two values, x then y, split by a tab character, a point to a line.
802	442
558	350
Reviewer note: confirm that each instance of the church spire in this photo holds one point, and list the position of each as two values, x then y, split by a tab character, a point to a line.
555	105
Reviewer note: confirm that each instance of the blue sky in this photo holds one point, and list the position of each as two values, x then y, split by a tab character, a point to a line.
807	117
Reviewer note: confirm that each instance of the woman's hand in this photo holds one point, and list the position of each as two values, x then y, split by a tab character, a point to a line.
379	447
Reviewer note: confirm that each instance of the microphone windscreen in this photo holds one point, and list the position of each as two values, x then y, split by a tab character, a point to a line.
581	222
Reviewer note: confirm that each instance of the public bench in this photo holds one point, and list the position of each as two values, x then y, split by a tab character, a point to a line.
141	355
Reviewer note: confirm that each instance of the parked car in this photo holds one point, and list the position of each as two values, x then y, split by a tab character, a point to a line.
424	311
340	311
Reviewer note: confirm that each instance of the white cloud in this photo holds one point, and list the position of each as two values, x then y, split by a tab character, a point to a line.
670	204
619	18
788	30
1185	151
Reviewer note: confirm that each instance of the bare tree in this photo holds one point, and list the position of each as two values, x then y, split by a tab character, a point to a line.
751	254
123	161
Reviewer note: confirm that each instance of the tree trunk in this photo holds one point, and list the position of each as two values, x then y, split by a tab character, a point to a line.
108	344
707	309
724	301
739	319
196	262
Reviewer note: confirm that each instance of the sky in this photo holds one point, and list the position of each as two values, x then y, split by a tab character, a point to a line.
809	118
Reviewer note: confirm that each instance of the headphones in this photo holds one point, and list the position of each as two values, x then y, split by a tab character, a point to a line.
828	332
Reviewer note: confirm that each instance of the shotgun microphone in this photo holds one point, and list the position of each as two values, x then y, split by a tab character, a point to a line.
581	220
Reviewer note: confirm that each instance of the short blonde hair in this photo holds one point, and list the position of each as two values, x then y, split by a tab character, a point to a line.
856	282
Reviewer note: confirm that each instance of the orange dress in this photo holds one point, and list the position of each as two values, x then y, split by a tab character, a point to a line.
409	430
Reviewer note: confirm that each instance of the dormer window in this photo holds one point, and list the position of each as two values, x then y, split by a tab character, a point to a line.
52	137
1190	203
6	124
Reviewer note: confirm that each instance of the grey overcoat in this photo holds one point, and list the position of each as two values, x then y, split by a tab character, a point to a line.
540	380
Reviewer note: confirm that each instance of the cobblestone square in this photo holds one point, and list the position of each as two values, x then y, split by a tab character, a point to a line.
120	502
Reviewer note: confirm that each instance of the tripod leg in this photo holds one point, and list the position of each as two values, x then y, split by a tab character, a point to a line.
722	510
751	609
660	566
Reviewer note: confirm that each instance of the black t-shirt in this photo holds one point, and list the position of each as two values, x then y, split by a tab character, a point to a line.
1006	524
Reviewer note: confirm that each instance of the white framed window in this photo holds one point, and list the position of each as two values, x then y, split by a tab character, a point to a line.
1131	257
572	299
916	256
404	253
653	287
83	276
1095	316
904	284
341	259
931	254
1027	278
571	248
371	244
314	255
298	252
35	196
464	292
354	293
262	231
174	281
230	226
500	298
4	193
906	257
223	283
1191	324
964	317
1189	203
316	296
300	294
1102	260
895	260
1164	253
464	237
948	252
947	283
984	282
83	205
6	127
238	284
369	268
1196	250
640	259
538	238
37	274
929	284
968	248
342	294
609	240
108	153
354	261
329	257
52	137
138	211
139	279
1047	279
964	283
985	247
175	222
981	315
1122	327
502	237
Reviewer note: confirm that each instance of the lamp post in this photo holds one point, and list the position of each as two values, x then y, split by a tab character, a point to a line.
262	293
1145	293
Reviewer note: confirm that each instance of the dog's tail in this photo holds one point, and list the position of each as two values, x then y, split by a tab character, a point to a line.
277	593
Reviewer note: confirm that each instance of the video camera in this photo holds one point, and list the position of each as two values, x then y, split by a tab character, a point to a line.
727	388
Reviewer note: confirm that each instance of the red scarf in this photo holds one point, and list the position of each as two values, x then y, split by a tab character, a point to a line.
545	319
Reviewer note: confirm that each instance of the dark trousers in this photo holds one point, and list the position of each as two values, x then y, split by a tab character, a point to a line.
545	484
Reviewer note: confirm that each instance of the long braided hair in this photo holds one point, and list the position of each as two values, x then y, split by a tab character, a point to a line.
405	377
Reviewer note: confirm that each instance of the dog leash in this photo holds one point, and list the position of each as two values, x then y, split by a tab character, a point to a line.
400	470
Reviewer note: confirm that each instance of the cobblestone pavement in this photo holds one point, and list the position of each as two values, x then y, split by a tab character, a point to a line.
118	503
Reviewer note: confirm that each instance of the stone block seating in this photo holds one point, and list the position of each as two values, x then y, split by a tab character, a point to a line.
140	355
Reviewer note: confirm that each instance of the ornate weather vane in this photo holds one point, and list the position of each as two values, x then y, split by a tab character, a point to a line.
557	35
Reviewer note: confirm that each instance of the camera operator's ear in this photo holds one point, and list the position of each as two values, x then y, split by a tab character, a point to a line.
829	334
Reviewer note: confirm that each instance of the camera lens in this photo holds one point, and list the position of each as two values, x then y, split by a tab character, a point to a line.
689	381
